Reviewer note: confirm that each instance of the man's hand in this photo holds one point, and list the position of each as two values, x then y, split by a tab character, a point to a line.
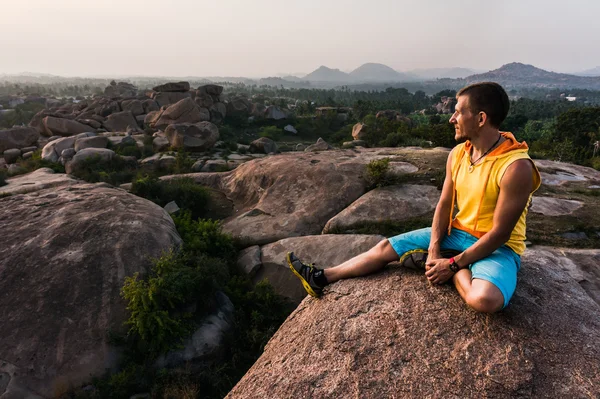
438	270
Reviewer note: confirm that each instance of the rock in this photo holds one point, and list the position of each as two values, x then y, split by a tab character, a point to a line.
78	161
149	106
197	166
121	89
120	121
550	206
66	155
184	111
173	87
192	137
171	208
29	149
11	156
27	155
300	147
218	111
168	98
275	113
580	235
377	335
94	124
40	179
560	173
249	260
160	143
239	107
206	340
121	141
64	127
290	129
65	253
212	90
133	106
360	131
52	151
90	142
152	117
161	161
215	165
354	143
37	122
263	145
320	145
326	250
204	100
385	204
18	137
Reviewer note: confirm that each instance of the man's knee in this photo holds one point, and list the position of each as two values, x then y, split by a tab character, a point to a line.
485	299
384	251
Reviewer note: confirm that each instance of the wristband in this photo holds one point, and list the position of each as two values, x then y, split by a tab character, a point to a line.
453	265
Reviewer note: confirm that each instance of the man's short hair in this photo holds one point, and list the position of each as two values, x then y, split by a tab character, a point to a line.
488	97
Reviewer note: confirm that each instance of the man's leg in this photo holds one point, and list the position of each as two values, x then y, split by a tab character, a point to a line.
368	262
489	283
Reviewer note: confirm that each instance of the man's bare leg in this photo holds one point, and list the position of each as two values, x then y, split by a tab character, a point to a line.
481	295
368	262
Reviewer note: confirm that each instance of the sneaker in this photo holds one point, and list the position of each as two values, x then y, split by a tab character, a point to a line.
416	259
306	274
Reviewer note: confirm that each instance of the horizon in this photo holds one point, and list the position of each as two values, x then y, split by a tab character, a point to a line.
136	38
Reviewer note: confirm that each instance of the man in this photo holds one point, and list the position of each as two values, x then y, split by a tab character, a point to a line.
491	179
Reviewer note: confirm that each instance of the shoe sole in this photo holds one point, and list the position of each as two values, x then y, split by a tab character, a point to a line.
307	286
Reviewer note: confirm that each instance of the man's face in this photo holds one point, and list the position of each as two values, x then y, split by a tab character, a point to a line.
466	123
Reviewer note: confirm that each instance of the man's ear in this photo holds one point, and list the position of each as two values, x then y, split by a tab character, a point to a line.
482	118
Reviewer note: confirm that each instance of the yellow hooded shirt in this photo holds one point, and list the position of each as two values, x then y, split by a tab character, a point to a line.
477	189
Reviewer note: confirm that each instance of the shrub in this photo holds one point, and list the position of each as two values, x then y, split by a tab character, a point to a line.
204	237
116	171
36	162
272	132
184	191
377	172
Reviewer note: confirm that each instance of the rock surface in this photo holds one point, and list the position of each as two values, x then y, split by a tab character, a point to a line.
560	173
64	127
184	111
18	137
192	136
551	206
392	203
65	253
324	250
394	335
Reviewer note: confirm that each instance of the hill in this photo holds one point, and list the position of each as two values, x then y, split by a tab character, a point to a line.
518	74
438	73
373	72
590	72
324	74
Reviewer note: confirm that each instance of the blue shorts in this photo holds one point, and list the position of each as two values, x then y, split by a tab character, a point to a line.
499	268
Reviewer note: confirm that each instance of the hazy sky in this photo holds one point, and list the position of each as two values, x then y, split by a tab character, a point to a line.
264	38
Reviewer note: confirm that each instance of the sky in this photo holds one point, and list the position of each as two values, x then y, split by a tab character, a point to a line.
260	38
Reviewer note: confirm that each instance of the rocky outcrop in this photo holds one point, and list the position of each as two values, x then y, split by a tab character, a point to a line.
184	111
18	137
168	98
65	253
173	87
551	206
386	204
360	131
275	113
393	334
64	127
320	145
78	161
561	173
53	150
263	145
325	250
120	122
133	106
192	137
120	89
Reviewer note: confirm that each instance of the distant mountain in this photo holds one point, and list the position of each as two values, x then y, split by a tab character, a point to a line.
440	73
517	74
590	72
324	74
372	72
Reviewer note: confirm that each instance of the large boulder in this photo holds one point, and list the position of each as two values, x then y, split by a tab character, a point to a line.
149	105
90	142
273	112
386	204
263	145
79	159
184	111
64	127
393	334
37	122
360	131
192	136
211	90
134	106
550	206
239	107
173	87
218	111
53	150
168	98
43	178
320	145
120	122
326	250
65	254
120	89
18	137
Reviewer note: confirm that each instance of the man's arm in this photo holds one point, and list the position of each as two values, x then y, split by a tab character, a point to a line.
441	217
515	188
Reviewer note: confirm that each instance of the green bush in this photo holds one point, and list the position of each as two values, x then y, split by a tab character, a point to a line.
377	172
184	191
116	171
204	237
272	132
36	162
595	163
157	304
